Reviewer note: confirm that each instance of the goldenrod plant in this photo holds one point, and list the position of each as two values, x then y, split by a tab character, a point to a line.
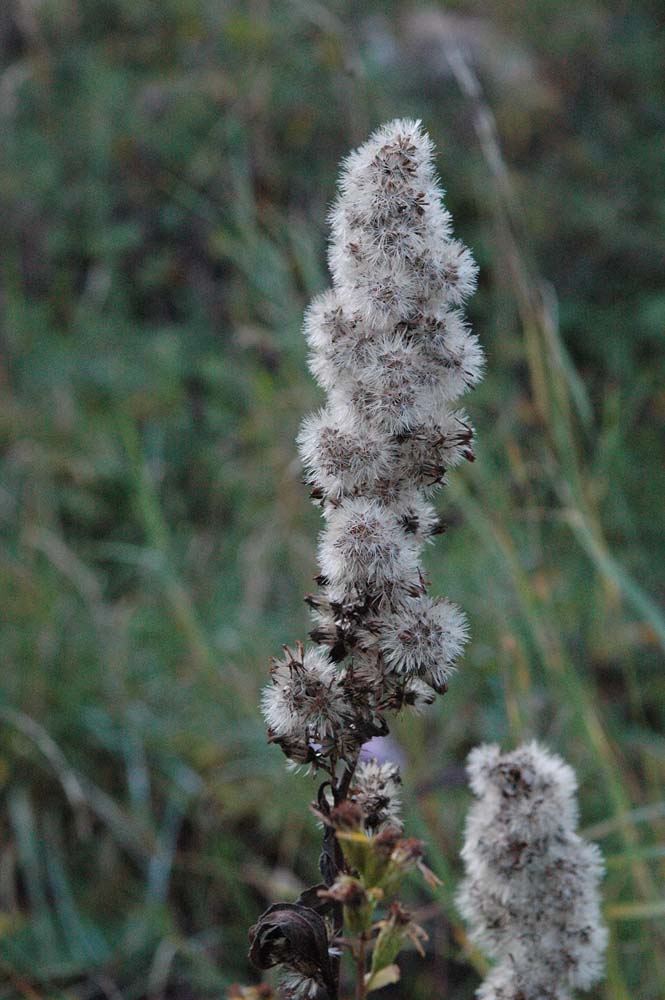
390	346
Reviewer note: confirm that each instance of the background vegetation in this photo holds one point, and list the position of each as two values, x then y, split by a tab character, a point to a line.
165	170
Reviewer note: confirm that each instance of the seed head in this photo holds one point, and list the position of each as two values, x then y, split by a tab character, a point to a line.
531	890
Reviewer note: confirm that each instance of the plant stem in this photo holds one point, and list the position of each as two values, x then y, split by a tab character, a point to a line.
360	968
342	789
340	792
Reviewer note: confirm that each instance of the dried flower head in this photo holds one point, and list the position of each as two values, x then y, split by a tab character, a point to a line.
376	790
343	460
423	638
391	253
305	704
391	348
365	547
531	887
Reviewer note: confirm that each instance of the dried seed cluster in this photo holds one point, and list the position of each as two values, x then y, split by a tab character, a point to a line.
531	889
376	790
392	350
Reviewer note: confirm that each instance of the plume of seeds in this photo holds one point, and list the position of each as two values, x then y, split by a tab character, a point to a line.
531	889
390	346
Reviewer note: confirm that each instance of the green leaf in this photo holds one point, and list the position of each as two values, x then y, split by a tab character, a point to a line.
384	977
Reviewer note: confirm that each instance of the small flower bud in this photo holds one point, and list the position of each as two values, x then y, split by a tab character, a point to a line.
395	930
358	904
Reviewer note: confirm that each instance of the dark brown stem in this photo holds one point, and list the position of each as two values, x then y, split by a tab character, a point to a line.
340	792
342	789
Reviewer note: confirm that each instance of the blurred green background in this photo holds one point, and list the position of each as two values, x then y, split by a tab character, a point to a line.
165	172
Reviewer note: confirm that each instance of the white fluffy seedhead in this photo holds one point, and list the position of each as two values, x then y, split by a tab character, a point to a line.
390	346
394	389
423	639
418	517
305	705
364	547
342	459
376	790
531	889
430	449
453	352
339	342
402	383
295	986
391	253
527	788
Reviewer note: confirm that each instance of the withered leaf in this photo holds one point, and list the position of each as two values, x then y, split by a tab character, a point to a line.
328	863
293	935
311	899
330	858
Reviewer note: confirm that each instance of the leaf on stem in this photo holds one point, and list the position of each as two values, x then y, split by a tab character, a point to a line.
384	977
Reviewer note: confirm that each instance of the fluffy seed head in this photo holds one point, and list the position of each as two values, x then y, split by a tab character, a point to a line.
505	982
376	790
364	547
305	702
391	252
531	889
423	639
343	460
338	340
454	353
525	788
